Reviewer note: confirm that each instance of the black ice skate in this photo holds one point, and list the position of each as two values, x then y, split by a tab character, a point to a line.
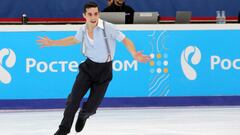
80	123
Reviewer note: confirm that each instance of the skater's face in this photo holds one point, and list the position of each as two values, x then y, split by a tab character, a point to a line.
91	15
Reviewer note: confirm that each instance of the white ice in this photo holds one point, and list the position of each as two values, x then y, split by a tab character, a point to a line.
129	121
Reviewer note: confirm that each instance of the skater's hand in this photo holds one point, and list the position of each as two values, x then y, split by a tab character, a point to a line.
45	41
141	58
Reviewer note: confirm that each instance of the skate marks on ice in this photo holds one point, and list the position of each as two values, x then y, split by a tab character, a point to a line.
130	121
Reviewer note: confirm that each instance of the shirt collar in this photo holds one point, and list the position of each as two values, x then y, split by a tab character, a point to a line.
100	23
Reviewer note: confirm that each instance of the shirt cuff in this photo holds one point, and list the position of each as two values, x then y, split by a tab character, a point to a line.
77	38
120	36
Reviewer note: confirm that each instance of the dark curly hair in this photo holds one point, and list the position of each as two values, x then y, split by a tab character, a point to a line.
89	5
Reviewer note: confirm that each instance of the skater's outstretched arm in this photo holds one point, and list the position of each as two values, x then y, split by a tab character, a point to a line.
47	42
136	55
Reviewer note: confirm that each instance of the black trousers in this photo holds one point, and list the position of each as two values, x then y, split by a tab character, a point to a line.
93	76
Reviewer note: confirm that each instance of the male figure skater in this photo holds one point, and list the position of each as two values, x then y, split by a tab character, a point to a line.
98	42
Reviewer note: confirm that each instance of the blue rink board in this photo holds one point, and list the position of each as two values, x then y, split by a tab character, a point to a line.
34	84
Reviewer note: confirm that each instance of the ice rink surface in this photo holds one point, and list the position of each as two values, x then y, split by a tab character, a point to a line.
224	120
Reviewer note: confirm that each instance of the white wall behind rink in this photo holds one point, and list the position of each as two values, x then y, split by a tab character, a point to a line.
69	27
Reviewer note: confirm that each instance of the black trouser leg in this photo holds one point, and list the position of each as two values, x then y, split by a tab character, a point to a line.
89	108
91	75
80	88
95	98
102	75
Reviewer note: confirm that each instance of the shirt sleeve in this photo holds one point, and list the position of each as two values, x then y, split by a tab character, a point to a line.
117	34
79	34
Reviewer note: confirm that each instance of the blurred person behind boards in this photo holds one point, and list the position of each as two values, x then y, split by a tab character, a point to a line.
120	6
109	2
